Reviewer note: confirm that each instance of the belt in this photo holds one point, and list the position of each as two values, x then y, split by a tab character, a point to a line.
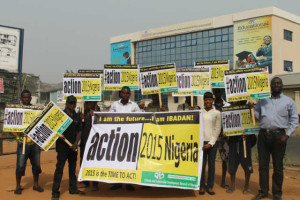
276	130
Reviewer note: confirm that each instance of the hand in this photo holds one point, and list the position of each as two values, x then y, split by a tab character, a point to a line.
283	139
206	146
162	109
250	105
81	115
244	136
74	147
23	134
62	137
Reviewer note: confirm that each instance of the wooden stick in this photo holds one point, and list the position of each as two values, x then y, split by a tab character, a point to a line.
65	140
24	145
252	112
244	145
192	100
159	97
82	109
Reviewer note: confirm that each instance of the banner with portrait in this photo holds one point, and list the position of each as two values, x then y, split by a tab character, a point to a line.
120	53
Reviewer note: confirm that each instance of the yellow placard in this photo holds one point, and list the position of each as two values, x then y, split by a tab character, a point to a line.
167	78
29	116
200	81
91	87
54	119
129	77
176	155
217	74
258	83
147	92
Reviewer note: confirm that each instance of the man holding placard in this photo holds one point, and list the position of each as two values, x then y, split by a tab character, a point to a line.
64	152
32	151
276	115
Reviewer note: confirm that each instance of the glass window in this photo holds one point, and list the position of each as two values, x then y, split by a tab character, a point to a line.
194	55
288	35
163	40
288	66
172	51
211	33
149	48
194	48
188	43
205	47
231	36
218	31
224	52
205	54
194	35
162	46
183	56
218	38
154	42
224	38
212	39
230	29
199	41
212	53
224	30
212	46
168	52
218	45
183	43
199	34
168	45
194	42
183	63
205	40
177	38
189	49
175	99
218	52
145	48
173	58
205	33
183	37
173	39
189	36
183	50
172	45
163	52
200	48
168	39
224	44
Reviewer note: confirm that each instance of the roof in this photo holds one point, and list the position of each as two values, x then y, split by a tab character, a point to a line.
290	80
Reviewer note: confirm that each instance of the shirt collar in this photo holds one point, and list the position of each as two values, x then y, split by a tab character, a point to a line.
129	102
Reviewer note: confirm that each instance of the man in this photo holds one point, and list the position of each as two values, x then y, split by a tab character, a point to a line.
187	104
264	53
32	151
124	105
64	152
90	107
219	103
154	105
127	57
275	114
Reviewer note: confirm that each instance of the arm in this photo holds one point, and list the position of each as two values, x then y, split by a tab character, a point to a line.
112	108
293	118
257	110
78	136
216	130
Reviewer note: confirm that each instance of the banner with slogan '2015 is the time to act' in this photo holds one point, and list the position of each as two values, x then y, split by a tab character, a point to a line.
154	149
217	69
194	81
158	79
237	120
18	117
243	84
118	76
44	128
83	86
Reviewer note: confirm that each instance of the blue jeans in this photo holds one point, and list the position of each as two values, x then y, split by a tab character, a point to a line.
32	152
210	155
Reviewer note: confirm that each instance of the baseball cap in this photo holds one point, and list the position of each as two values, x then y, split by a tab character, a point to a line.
71	99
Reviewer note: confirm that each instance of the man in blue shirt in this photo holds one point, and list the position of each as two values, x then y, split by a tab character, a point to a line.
276	115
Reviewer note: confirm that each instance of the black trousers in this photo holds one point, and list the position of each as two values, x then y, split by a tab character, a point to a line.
62	157
268	144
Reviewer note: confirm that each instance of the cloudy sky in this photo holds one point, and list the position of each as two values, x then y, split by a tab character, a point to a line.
73	34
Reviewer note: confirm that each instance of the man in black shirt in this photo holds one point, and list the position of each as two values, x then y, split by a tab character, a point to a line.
64	152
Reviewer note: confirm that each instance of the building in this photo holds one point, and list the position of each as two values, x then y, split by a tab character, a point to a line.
220	38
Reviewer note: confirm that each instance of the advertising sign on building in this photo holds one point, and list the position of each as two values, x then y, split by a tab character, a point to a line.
243	84
253	43
18	117
216	71
117	76
85	87
237	120
43	130
145	149
121	53
194	81
11	42
158	79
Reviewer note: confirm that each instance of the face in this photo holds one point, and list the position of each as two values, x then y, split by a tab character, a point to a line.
208	102
25	98
71	106
276	85
267	40
89	105
125	94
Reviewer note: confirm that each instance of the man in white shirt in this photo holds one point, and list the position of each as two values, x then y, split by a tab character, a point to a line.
124	105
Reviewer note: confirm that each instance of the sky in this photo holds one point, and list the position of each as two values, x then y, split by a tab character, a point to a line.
65	35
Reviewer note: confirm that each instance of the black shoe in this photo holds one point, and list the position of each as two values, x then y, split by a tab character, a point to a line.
201	191
129	187
210	192
38	188
259	196
77	192
18	191
277	197
116	187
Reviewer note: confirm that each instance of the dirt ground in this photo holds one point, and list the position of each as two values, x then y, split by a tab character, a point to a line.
291	189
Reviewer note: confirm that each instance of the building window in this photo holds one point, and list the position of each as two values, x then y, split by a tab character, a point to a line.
288	66
288	35
175	99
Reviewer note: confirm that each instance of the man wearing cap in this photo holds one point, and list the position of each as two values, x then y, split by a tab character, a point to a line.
64	152
278	119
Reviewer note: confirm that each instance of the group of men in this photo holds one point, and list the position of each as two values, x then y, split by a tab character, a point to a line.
278	120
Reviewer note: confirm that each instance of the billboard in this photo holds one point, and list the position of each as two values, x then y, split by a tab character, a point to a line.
253	43
120	53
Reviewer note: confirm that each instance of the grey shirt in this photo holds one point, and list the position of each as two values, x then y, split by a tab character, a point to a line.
277	113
